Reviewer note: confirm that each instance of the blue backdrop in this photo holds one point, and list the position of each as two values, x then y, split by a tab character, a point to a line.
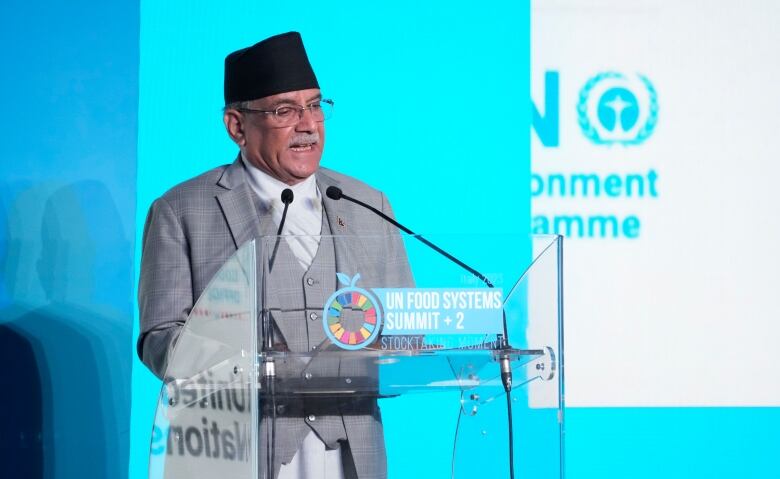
69	92
427	107
432	106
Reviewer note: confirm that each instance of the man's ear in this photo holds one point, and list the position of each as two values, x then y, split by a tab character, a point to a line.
234	127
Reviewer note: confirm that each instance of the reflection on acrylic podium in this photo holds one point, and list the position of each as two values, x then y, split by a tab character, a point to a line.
389	373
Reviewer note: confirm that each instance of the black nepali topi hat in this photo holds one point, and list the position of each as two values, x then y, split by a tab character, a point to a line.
277	64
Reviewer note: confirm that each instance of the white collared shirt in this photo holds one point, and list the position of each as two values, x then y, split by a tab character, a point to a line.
304	215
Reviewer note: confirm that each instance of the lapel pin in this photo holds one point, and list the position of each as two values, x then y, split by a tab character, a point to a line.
341	222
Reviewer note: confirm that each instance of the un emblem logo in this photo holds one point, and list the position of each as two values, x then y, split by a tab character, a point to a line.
616	109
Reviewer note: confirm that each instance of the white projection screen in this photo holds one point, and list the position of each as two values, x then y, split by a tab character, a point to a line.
655	152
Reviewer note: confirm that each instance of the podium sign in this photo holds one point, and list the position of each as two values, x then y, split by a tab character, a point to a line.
370	356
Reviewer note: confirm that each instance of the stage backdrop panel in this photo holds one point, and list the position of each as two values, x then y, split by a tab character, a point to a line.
432	107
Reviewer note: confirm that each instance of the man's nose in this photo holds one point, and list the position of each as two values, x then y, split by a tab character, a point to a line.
306	121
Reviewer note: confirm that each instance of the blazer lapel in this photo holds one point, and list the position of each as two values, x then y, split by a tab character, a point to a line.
348	245
336	211
237	203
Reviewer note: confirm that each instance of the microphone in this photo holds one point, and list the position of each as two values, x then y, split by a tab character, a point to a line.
269	366
335	193
287	198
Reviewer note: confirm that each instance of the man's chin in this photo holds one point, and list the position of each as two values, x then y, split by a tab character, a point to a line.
299	174
302	165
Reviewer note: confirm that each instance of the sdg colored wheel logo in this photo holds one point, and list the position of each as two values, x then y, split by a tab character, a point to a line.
351	317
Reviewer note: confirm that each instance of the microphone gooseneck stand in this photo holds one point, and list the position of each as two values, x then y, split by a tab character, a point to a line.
269	367
287	198
335	193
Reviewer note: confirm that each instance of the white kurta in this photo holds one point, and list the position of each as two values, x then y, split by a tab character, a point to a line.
304	219
303	223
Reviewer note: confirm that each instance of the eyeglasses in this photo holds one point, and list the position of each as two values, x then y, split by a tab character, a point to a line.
289	115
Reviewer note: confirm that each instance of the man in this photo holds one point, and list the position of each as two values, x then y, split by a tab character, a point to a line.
275	113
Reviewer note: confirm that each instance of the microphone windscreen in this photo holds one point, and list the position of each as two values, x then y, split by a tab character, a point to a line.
287	196
333	192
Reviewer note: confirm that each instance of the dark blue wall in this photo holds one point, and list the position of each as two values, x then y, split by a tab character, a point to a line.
69	92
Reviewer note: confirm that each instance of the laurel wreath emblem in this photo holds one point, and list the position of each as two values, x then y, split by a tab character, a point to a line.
592	134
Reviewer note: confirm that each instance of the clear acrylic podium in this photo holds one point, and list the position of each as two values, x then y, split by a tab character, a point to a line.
395	375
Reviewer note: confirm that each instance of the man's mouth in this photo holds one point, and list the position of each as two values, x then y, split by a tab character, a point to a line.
302	146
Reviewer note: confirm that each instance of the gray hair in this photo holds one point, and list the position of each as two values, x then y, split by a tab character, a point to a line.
236	105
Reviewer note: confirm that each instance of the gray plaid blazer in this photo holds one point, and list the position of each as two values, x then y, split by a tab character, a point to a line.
193	229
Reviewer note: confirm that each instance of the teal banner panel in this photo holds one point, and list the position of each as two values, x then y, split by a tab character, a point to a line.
432	107
673	443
